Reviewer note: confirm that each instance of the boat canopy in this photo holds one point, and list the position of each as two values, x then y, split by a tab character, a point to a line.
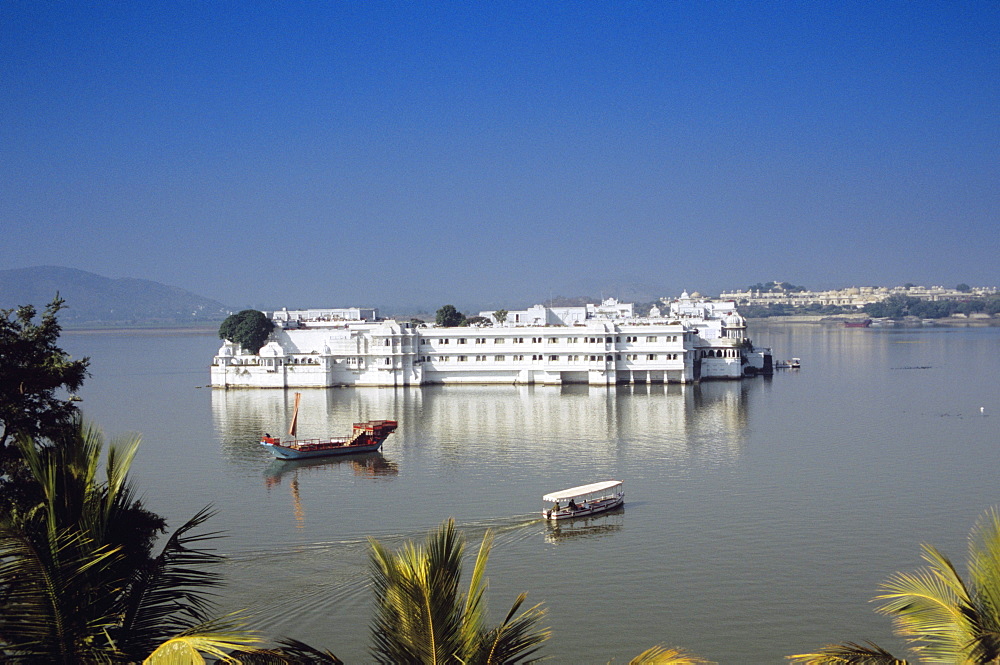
582	490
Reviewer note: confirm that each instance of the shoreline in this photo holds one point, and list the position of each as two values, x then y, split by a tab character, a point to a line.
947	322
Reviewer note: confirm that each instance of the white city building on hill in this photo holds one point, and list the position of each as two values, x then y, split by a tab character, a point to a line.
596	344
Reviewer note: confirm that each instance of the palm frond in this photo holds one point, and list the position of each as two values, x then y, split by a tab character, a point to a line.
516	639
660	655
173	592
46	593
984	571
930	608
474	612
420	617
216	637
848	653
289	651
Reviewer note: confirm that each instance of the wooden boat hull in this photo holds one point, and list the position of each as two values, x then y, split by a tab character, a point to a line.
368	437
593	508
286	453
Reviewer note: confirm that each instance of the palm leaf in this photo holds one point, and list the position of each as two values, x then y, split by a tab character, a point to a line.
848	654
474	612
930	608
188	649
289	651
46	593
660	655
516	638
420	616
173	592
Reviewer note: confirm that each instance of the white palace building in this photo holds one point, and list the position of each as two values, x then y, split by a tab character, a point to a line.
599	345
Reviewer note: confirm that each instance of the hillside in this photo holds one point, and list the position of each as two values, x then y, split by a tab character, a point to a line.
95	300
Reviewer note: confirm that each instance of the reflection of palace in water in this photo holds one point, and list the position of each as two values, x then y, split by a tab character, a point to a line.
484	419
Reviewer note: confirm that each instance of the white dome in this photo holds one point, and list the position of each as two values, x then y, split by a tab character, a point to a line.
734	320
225	351
271	350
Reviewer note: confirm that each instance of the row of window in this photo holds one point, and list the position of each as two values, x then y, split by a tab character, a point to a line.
555	358
629	339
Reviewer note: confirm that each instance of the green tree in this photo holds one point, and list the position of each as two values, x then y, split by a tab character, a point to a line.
248	328
422	617
35	374
944	618
500	315
449	317
78	580
963	287
476	320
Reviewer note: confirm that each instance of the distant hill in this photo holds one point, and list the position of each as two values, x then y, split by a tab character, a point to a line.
95	300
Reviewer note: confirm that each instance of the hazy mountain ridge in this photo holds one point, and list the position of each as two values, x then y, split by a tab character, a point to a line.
92	299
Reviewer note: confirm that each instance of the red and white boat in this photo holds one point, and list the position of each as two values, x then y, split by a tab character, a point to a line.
366	437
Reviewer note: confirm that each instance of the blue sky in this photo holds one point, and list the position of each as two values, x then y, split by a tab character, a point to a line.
494	154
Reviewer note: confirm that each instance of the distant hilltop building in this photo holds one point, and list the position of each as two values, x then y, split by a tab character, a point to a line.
853	297
601	345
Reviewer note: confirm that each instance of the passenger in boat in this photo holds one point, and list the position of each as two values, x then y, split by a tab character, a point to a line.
572	504
556	507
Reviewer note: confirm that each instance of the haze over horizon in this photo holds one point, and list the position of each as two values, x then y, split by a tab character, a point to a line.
401	155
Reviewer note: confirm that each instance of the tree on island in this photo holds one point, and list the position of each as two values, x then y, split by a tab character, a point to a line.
449	317
947	619
500	315
963	288
248	328
33	371
786	287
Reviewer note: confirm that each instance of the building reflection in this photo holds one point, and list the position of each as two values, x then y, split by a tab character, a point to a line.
459	422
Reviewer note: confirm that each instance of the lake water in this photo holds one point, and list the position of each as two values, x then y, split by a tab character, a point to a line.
760	516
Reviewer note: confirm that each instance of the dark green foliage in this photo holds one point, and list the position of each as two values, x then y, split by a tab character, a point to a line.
963	287
34	372
899	306
449	317
787	287
78	580
476	321
248	328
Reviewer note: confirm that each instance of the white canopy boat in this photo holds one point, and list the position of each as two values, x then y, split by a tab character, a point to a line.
584	500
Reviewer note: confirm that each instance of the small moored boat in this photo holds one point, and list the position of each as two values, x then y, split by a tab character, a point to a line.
584	500
366	437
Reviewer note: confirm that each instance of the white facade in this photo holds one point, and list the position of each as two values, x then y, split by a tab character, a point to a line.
853	297
592	350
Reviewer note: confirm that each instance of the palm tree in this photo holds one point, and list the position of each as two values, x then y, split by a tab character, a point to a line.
660	655
78	581
422	617
944	618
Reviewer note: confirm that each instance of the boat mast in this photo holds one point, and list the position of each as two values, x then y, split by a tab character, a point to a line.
295	416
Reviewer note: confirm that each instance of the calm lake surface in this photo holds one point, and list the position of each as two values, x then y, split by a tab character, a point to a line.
760	516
